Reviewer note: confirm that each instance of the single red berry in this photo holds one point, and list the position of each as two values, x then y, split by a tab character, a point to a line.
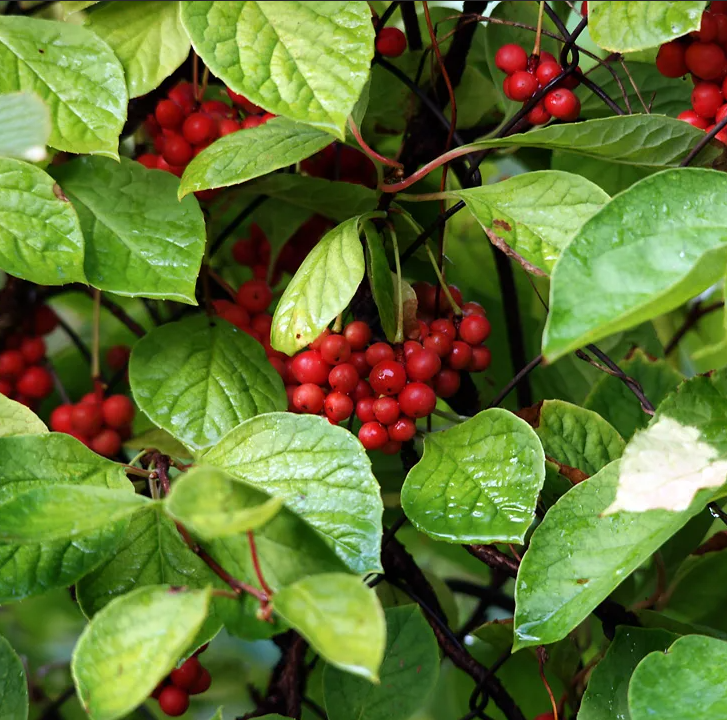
117	411
310	367
33	349
338	406
474	329
361	391
12	364
423	365
538	115
411	347
522	85
718	6
402	430
177	170
391	447
705	60
461	355
365	410
45	321
186	675
253	334
343	378
545	56
279	366
217	109
117	357
358	334
148	160
233	313
378	352
444	326
244	251
173	701
252	121
309	398
373	435
692	118
262	322
547	71
358	360
254	296
386	410
446	382
60	419
721	23
92	398
584	13
176	150
199	128
571	81
6	388
157	691
511	58
168	114
87	418
707	99
425	296
417	400
203	683
707	28
562	104
183	95
473	308
481	357
106	443
36	383
387	377
670	60
335	349
227	126
456	294
390	42
243	102
438	343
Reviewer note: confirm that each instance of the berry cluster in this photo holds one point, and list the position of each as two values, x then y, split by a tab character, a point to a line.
390	42
23	376
526	75
101	425
342	163
190	678
702	53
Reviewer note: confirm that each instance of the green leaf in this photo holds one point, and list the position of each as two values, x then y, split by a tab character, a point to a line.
61	512
198	380
248	154
605	697
140	240
534	215
16	419
320	471
408	673
306	61
13	684
687	681
628	26
133	643
24	126
380	279
321	289
70	7
147	37
642	140
31	461
577	437
611	399
340	617
610	176
477	482
211	504
608	279
40	236
75	73
159	440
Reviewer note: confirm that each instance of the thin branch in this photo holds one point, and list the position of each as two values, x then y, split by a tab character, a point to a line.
625	67
493	558
521	375
117	311
235	223
256	564
717	512
704	142
75	339
695	314
411	26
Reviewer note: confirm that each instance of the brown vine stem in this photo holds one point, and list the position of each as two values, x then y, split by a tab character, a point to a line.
695	314
214	275
542	657
96	378
539	29
117	311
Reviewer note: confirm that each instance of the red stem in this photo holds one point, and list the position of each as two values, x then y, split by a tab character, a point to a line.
370	151
256	564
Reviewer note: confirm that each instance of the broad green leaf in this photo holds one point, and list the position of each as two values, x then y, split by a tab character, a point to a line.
75	73
321	472
53	459
280	221
70	7
577	437
140	240
199	379
16	419
321	289
535	214
340	617
40	235
61	512
306	61
218	715
408	673
628	26
133	643
610	176
13	684
477	482
211	504
649	250
250	153
159	440
147	37
611	399
606	694
24	126
686	682
643	140
380	279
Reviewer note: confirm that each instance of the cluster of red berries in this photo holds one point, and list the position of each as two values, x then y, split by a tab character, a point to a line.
703	53
390	42
190	678
22	374
100	424
527	74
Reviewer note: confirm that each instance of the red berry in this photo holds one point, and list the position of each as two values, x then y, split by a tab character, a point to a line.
343	378
545	56
538	115
373	435
177	170
45	320
338	406
358	360
547	71
423	365
36	383
473	308
117	411
444	326
705	60
6	388
310	367
474	329
411	347
183	95
60	419
173	701
117	357
335	349
252	121
461	355
148	160
707	29
670	60
386	410
168	114
12	364
417	400
157	691
446	382
402	430
584	13
217	109
562	104
262	322
227	126
390	42
506	88
718	6
202	649
358	334
243	102
378	352
391	447
692	118
234	314
706	99
91	398
254	295
721	136
244	251
721	23
106	443
87	418
308	398
176	150
511	58
456	294
279	366
361	391
522	85
365	410
199	128
721	113
438	343
186	675
387	377
571	81
202	684
316	344
481	357
33	349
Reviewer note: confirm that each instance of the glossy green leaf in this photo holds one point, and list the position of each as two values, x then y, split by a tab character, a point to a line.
408	673
610	176
133	643
40	235
75	73
159	440
250	153
147	37
198	380
13	684
24	126
686	682
16	419
61	512
533	216
32	461
477	482
606	694
321	472
340	617
70	7
380	280
611	399
628	26
649	250
140	240
211	504
306	61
